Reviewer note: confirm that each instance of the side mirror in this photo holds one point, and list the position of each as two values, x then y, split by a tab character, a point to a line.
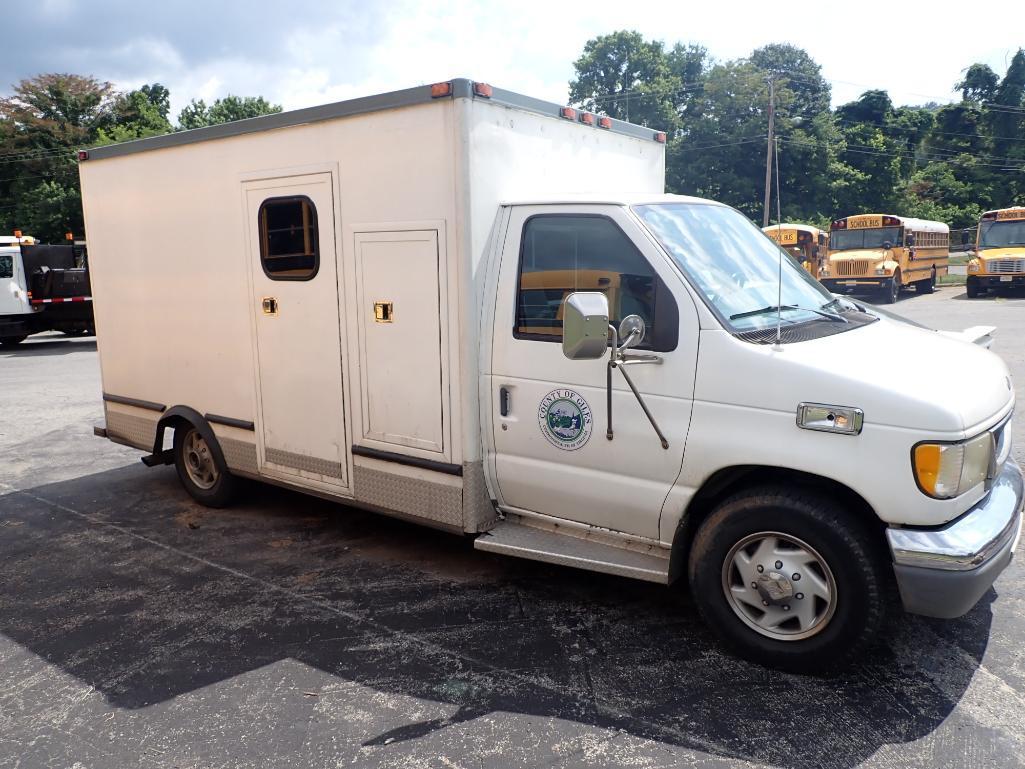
585	325
631	331
887	244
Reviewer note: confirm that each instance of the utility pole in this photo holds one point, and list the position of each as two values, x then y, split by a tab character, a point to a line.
768	149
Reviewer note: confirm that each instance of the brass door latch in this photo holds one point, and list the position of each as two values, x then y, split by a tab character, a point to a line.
270	305
383	312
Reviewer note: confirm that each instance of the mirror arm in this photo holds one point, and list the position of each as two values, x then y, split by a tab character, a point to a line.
644	407
619	359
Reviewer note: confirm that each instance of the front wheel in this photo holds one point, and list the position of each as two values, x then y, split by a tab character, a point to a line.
972	288
892	289
12	341
787	579
200	472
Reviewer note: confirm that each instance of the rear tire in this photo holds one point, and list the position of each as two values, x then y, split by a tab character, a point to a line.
12	341
972	288
819	599
928	285
203	476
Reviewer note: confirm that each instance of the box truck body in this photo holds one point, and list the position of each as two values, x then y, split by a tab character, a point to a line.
479	311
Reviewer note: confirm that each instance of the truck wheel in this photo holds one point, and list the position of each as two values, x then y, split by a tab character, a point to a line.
892	289
928	285
11	341
787	579
199	471
971	288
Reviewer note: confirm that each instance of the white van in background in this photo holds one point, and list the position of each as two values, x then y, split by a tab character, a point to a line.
16	321
478	311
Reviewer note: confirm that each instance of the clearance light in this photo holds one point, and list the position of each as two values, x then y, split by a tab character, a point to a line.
831	419
945	470
441	89
83	155
840	224
587	118
17	233
482	89
605	122
568	112
660	137
891	221
69	236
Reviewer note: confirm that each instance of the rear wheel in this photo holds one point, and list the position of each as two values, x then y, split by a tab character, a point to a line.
928	285
788	579
200	472
972	287
11	341
892	289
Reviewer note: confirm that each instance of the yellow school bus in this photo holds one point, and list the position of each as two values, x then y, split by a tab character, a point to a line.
805	243
882	252
999	260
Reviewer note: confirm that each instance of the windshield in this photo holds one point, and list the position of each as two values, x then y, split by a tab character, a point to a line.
735	267
1002	234
6	265
845	240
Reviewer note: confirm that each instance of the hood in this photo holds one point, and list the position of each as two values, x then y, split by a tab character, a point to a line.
1010	252
872	254
899	375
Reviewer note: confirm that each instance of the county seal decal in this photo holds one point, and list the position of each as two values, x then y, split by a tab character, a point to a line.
565	419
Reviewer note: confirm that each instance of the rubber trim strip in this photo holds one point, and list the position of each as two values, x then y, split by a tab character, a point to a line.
242	424
405	459
137	402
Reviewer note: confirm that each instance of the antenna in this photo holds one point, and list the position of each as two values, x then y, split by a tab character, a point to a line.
778	347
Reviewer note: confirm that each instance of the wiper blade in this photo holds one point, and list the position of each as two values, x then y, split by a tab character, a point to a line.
764	310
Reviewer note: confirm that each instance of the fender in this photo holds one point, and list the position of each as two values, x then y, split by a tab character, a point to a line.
162	456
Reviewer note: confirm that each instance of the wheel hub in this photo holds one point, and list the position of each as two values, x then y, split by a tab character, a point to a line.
775	587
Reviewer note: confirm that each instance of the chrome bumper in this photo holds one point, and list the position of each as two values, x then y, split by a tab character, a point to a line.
943	572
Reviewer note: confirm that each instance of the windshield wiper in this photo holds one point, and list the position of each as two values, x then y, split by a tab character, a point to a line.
780	308
763	310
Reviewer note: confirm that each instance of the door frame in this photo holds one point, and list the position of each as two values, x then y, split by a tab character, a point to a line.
288	176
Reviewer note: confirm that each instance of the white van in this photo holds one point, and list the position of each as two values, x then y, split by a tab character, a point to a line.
16	312
478	311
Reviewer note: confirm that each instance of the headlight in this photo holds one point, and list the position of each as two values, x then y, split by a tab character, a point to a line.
881	271
945	470
824	270
973	265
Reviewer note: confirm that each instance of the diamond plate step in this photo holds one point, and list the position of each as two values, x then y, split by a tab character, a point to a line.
523	541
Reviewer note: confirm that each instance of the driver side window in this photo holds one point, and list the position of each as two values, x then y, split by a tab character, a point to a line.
563	253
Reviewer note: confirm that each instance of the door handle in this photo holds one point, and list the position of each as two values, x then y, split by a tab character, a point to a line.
504	401
270	305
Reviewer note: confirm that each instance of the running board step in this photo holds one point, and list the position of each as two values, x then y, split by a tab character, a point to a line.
524	541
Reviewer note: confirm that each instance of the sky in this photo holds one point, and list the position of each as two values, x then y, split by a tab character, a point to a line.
303	52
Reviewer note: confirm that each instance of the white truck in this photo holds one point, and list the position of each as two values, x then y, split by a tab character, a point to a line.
478	311
42	288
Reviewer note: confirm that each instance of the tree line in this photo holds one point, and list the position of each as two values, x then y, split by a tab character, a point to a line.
936	161
948	162
48	118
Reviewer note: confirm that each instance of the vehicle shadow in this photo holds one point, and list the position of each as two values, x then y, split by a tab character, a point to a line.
49	346
120	581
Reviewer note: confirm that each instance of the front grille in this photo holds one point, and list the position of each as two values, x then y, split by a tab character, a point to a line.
1005	266
851	268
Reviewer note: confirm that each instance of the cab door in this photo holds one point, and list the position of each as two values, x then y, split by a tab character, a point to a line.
549	416
301	430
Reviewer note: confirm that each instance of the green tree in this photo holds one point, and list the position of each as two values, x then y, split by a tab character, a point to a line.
979	83
42	123
138	114
626	77
196	114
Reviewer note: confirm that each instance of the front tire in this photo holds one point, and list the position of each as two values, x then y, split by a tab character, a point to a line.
12	341
788	579
203	476
971	287
892	289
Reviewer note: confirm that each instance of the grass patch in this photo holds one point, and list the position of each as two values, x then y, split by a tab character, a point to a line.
951	280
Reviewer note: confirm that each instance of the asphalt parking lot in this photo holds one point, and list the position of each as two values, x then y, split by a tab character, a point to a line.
139	629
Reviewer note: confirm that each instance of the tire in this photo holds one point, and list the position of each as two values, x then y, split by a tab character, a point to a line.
892	289
928	285
971	287
846	579
204	477
12	341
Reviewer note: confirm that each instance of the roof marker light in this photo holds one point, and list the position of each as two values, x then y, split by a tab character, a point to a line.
587	118
83	155
568	112
605	122
482	89
660	137
441	89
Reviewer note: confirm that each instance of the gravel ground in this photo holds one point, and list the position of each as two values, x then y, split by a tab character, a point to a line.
138	629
